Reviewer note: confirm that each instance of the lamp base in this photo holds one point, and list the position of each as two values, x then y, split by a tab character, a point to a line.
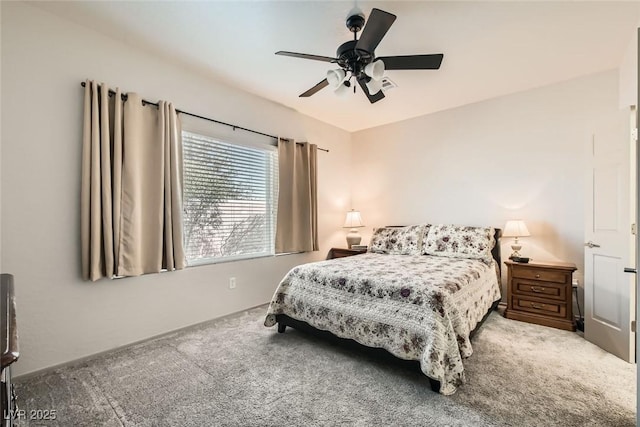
353	238
516	251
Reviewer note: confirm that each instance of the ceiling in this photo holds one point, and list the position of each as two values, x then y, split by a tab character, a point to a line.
491	48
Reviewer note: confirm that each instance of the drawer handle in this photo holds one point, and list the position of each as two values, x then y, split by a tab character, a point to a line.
537	289
538	306
537	276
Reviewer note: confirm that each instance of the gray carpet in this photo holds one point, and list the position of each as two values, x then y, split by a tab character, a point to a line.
236	372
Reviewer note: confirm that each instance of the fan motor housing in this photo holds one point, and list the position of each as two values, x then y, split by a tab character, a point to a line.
351	58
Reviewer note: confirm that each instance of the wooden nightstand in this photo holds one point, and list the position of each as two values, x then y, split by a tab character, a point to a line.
541	292
343	252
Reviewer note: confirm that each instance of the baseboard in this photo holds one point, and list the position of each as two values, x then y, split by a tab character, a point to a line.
84	359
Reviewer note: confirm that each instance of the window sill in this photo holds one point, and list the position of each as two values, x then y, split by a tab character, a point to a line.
289	253
208	261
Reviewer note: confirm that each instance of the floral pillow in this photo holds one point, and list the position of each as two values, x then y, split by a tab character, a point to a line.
398	240
458	241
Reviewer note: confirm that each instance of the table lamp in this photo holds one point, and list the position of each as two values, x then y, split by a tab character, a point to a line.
353	221
515	228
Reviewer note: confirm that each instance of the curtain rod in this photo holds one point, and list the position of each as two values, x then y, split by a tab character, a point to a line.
145	102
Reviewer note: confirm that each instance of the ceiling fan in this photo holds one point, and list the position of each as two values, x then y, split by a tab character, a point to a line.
357	59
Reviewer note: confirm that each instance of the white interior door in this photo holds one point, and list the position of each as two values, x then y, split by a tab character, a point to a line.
609	242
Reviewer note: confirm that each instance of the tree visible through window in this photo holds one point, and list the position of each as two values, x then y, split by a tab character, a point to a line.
229	199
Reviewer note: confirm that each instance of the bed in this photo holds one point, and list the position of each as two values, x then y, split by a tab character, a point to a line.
419	293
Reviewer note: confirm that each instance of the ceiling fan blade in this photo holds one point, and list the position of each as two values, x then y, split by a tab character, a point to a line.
376	27
412	62
315	89
372	98
306	56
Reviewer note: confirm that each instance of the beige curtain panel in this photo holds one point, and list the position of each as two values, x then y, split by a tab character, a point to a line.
297	224
131	200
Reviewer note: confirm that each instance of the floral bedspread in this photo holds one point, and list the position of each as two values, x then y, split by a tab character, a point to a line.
418	307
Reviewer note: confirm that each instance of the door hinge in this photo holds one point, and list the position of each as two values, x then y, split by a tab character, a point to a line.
634	229
634	134
633	326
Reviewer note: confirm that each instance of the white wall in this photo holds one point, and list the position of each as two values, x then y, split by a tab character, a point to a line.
517	156
629	71
60	317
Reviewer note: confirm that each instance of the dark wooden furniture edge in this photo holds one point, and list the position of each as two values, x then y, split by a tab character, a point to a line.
10	352
332	252
495	252
9	347
558	265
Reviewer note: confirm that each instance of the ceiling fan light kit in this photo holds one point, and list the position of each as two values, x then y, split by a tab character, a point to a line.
343	89
375	70
336	77
357	59
374	86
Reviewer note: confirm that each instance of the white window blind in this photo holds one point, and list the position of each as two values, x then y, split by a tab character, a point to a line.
229	199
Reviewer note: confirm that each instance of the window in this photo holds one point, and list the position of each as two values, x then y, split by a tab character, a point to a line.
229	199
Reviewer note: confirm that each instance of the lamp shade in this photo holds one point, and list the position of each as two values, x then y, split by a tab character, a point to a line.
375	70
353	220
335	78
374	86
343	89
515	228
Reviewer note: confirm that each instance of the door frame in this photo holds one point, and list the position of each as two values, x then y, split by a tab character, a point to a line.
637	219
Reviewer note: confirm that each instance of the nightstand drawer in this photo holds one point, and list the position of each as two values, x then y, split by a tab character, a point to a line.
547	308
540	274
539	289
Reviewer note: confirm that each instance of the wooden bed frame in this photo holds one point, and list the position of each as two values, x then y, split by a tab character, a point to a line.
380	353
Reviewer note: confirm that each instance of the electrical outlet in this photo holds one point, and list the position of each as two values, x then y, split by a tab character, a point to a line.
575	282
232	283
